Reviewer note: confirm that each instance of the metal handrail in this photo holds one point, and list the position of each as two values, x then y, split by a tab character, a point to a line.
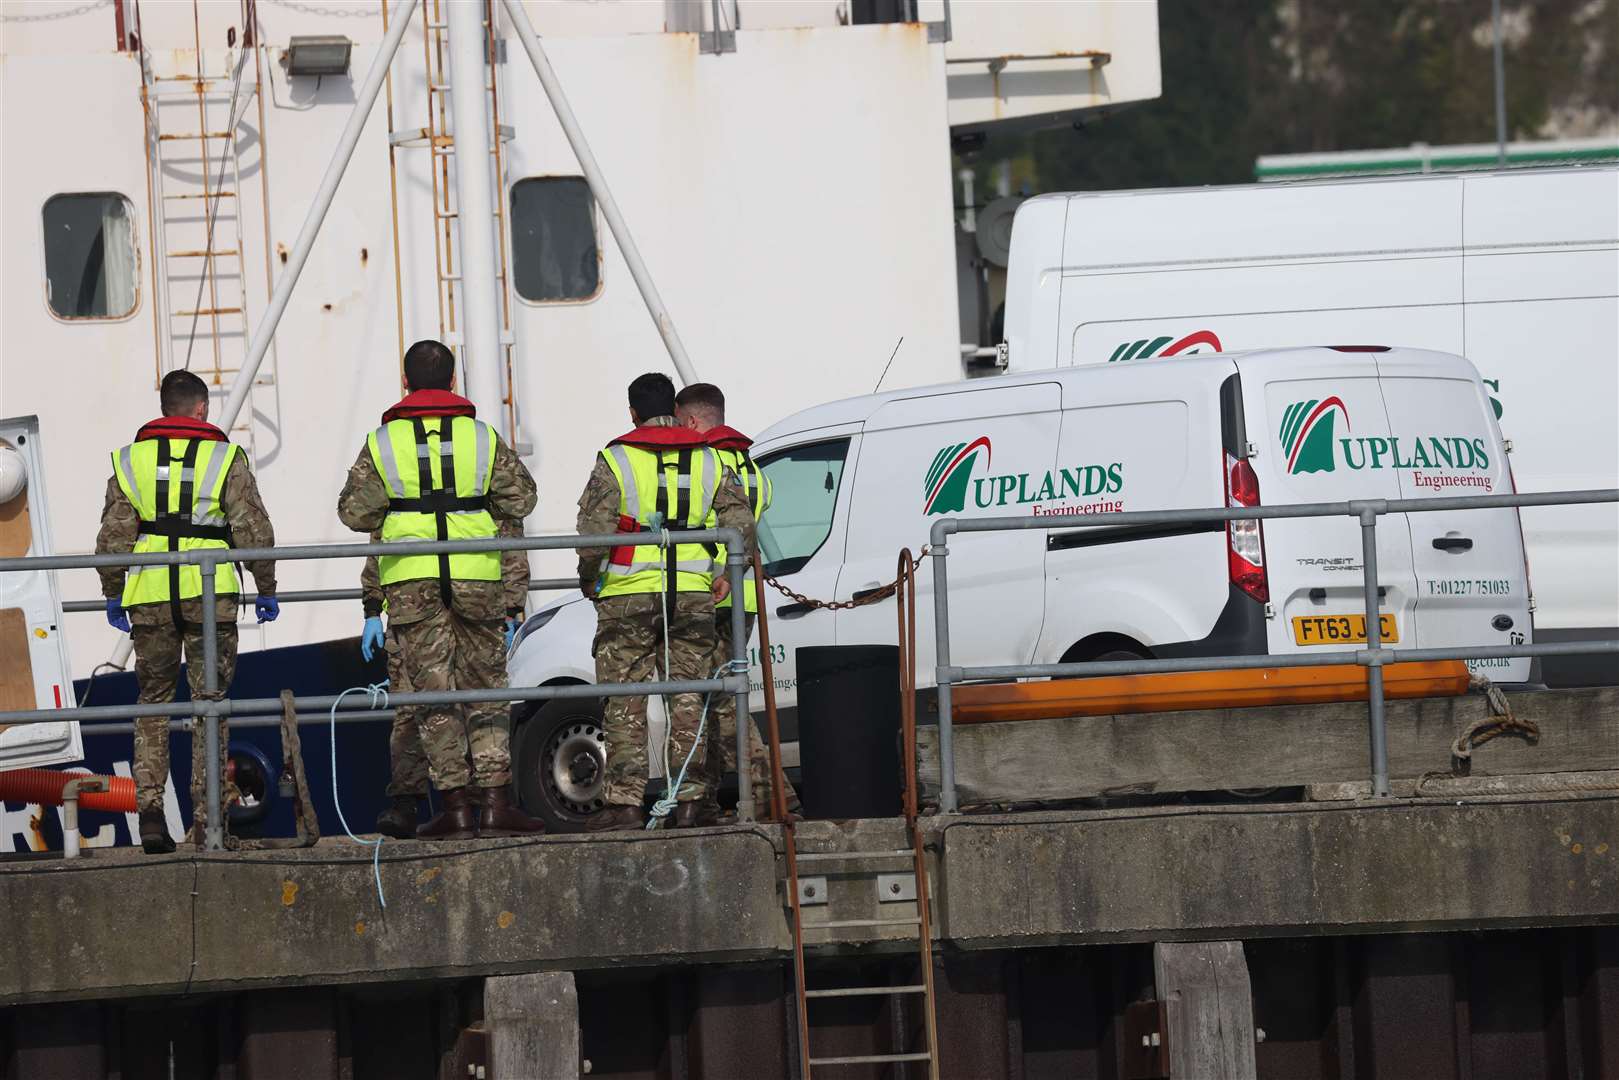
306	596
1372	657
211	709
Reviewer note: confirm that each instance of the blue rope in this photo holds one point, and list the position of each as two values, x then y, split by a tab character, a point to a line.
662	808
378	692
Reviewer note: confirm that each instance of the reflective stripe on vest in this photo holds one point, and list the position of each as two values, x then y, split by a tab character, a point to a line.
438	481
176	487
756	489
677	484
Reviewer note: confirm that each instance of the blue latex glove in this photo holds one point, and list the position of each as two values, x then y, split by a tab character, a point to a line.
117	617
512	623
267	608
371	637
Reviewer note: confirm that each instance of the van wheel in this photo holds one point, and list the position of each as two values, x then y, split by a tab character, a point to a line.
560	763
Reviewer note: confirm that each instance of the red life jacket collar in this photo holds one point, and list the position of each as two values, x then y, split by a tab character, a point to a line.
722	437
179	427
662	437
425	403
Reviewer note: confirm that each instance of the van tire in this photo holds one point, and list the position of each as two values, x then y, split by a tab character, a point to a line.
562	794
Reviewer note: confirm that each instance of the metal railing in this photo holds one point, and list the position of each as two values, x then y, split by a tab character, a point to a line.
210	709
1372	657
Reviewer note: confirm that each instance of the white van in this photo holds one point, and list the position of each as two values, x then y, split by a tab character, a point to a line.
855	481
1517	270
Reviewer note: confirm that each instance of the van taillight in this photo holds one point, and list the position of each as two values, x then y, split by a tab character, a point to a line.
1245	536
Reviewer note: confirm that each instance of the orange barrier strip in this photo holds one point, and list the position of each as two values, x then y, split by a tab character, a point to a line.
44	786
982	703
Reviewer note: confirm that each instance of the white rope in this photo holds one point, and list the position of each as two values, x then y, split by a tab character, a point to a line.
379	700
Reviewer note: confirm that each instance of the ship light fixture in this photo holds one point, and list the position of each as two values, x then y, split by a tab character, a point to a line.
318	54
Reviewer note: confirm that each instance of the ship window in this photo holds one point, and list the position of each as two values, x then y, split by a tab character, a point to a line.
90	261
555	255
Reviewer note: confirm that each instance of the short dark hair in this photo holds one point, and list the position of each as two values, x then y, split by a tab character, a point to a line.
429	365
180	392
704	397
652	395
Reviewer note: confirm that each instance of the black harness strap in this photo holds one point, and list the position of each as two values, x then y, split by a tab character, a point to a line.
436	496
173	526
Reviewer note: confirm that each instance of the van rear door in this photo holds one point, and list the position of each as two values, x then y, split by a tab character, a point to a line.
1472	588
1319	432
33	650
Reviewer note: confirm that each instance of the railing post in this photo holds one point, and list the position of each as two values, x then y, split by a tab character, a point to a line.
735	562
208	707
1374	653
941	633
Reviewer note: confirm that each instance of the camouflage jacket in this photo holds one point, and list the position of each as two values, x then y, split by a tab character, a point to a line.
513	576
250	527
598	512
363	505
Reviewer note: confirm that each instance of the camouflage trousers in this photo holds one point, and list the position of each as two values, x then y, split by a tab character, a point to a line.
448	652
407	761
157	670
629	648
722	724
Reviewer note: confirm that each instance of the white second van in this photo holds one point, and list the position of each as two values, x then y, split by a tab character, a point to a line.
855	481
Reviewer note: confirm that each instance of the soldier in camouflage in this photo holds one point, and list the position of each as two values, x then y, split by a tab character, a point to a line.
634	605
162	610
446	612
701	407
407	761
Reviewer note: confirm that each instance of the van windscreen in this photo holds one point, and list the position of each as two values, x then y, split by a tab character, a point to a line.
804	484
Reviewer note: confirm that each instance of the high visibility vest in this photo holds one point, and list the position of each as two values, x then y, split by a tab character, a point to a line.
756	489
676	486
176	486
437	471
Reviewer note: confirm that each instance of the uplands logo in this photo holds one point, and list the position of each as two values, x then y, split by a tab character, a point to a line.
1307	434
949	481
1147	348
1310	442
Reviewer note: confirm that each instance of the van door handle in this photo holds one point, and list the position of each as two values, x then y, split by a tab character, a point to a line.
793	611
861	594
1453	544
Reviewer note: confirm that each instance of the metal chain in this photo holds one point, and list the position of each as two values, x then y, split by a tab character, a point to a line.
315	9
875	597
52	16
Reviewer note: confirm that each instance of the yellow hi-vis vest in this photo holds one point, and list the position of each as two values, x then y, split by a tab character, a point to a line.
437	471
675	485
175	486
756	488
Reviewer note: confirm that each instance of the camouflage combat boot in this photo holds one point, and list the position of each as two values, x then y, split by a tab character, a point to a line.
155	839
457	821
500	817
399	820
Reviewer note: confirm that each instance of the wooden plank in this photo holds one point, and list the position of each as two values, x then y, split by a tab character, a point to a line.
533	1023
1182	691
16	668
1220	749
1209	1007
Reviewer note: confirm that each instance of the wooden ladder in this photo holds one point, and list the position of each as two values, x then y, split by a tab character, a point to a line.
809	1064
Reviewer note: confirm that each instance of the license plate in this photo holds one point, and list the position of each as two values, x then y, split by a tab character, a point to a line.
1340	629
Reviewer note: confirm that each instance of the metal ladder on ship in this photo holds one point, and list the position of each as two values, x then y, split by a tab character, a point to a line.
172	216
905	598
440	141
